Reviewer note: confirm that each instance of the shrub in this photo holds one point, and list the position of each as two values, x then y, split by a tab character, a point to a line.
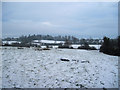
93	48
63	46
87	47
111	46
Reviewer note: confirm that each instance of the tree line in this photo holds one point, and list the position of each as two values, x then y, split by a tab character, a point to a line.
111	46
71	39
108	45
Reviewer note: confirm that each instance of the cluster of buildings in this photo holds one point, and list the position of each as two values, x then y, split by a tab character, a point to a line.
49	43
35	42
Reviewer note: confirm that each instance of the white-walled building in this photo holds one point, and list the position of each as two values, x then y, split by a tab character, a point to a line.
10	42
44	42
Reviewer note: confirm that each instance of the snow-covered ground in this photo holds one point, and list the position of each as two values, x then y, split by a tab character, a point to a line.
96	46
28	68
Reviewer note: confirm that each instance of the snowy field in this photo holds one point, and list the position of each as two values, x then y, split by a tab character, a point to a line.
96	46
75	46
27	68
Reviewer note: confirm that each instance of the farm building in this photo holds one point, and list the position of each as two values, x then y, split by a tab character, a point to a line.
47	42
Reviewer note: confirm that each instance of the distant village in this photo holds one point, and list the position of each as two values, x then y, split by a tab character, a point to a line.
105	45
49	41
35	42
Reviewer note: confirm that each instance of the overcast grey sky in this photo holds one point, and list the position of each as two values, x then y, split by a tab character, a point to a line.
80	19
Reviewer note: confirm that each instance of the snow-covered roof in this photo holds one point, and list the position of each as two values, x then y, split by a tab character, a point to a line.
10	42
36	41
47	41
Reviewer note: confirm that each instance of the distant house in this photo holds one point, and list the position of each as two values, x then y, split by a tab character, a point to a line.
36	42
47	42
10	42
